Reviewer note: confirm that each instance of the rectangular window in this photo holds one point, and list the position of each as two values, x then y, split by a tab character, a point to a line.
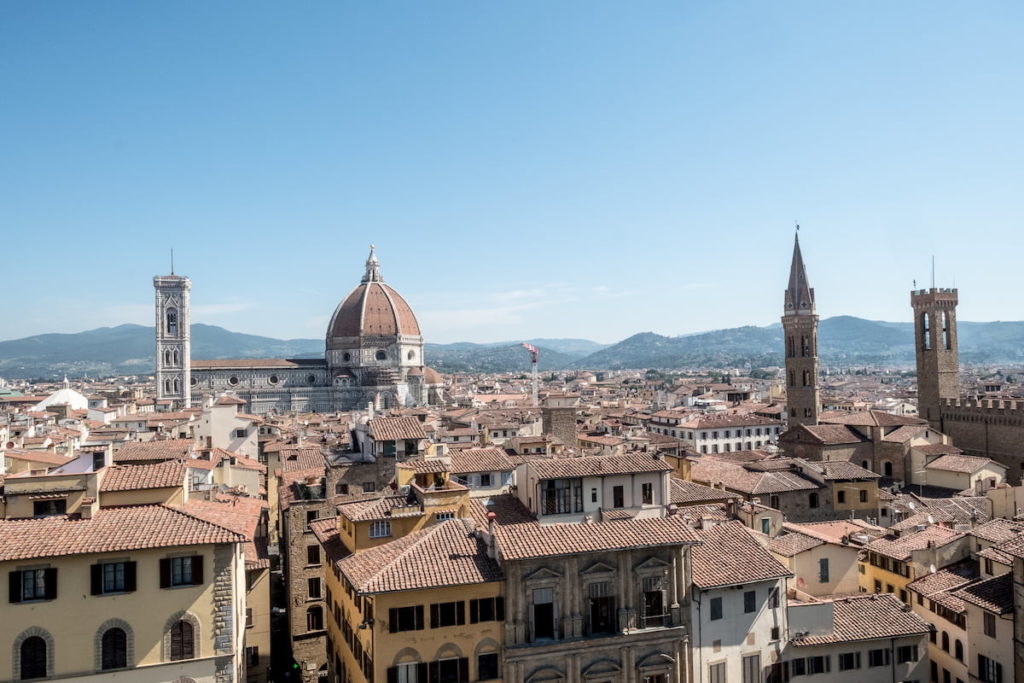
485	479
618	497
312	554
487	667
863	496
849	661
647	493
773	598
543	613
447	614
906	653
113	577
989	670
181	571
312	516
818	665
601	609
49	508
716	672
798	667
990	624
248	617
33	584
749	601
879	657
716	608
313	588
823	570
487	609
562	496
240	433
766	526
380	528
369	487
405	619
752	669
442	516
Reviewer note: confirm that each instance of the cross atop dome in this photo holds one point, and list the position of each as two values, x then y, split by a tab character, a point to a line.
372	267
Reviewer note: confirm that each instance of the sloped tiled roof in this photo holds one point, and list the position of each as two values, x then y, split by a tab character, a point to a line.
994	594
789	545
962	464
109	530
729	555
395	428
682	492
241	515
157	475
169	449
481	460
598	465
902	547
445	554
529	540
871	617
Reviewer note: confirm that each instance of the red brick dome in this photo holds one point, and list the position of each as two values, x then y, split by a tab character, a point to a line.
373	309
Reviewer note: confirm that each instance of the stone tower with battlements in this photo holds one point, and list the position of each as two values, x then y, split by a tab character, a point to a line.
800	333
938	360
173	339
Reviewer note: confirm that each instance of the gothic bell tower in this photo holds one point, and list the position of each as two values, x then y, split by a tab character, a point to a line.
938	359
800	331
173	339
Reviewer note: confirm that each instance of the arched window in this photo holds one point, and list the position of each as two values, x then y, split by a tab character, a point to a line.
172	321
411	355
792	379
167	386
114	648
33	658
805	348
183	644
812	500
887	469
177	386
926	332
167	357
807	378
958	650
865	464
315	618
790	347
945	641
175	358
382	355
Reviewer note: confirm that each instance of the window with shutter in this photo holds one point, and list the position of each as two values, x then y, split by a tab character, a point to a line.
114	645
182	641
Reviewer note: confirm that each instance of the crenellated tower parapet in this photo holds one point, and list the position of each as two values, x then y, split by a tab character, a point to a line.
936	348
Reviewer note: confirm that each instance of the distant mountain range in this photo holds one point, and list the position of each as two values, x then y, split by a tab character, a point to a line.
844	340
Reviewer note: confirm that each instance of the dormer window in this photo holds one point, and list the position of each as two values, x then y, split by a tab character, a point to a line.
49	508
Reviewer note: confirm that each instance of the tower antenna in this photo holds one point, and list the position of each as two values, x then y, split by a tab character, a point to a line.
172	260
933	271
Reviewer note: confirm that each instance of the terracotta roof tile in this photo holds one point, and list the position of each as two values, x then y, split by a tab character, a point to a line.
445	554
963	464
109	530
871	617
169	449
994	594
158	475
729	555
395	428
480	460
598	465
529	540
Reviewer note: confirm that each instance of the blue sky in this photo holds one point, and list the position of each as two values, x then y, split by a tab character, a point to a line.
568	169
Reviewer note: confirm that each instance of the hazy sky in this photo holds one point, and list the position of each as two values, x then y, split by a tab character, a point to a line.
526	169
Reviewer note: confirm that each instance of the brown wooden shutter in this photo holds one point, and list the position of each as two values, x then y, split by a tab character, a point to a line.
421	672
96	579
14	586
197	570
50	583
165	572
393	628
129	576
419	617
463	669
392	674
460	613
434	615
499	608
474	611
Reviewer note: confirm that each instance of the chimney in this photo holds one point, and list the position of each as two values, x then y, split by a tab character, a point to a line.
369	410
492	551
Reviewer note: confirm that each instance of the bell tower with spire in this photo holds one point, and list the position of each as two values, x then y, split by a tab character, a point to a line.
800	332
173	339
